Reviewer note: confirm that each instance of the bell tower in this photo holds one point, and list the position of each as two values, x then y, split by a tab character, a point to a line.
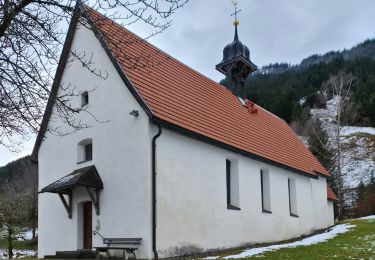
236	63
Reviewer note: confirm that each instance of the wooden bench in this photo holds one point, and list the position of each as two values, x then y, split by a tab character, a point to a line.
127	245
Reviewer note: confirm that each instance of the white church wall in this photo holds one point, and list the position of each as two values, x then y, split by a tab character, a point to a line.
330	213
319	195
121	154
192	214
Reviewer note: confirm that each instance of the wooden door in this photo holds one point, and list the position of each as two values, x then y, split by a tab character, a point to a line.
87	225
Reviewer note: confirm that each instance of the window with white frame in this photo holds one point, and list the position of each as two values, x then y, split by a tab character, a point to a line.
265	190
84	150
232	184
292	197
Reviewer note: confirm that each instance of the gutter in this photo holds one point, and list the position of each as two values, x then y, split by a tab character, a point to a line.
156	256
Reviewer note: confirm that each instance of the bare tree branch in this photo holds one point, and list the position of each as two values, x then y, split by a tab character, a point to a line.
32	34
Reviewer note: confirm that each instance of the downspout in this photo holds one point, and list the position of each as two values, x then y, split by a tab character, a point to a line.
154	192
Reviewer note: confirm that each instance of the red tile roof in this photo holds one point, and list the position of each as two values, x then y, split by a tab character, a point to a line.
177	94
330	194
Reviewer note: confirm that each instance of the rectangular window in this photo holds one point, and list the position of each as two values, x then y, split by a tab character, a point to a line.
88	152
228	166
292	197
232	185
265	191
84	98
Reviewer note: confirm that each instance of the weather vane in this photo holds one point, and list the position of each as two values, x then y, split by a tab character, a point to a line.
236	11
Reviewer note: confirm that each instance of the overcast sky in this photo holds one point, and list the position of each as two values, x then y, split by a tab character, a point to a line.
274	30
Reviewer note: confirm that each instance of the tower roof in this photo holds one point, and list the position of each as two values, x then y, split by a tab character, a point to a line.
234	52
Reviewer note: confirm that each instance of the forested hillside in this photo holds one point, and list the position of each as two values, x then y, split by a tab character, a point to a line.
20	174
288	91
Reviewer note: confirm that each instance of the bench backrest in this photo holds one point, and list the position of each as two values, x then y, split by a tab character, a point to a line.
123	241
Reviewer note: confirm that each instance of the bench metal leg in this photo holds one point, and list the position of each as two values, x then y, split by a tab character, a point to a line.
126	252
130	251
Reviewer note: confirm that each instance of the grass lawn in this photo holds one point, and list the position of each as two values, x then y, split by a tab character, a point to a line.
22	245
358	243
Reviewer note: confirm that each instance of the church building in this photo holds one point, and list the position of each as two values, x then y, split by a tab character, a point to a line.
171	157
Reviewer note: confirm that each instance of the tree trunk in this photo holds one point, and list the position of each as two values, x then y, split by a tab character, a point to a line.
10	241
338	161
34	230
34	217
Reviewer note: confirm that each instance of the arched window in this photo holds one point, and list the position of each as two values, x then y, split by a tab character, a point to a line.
85	150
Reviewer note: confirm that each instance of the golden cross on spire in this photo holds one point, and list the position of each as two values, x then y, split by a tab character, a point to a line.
236	11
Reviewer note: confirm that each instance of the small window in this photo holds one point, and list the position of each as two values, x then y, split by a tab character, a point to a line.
265	191
232	184
85	150
84	98
292	197
228	169
88	152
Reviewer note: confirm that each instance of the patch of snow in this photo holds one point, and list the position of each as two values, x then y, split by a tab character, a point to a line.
358	156
368	217
304	140
302	101
327	115
349	130
69	177
17	253
319	238
358	160
27	235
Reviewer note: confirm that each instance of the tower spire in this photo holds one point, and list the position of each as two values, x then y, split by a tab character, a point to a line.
236	64
236	22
